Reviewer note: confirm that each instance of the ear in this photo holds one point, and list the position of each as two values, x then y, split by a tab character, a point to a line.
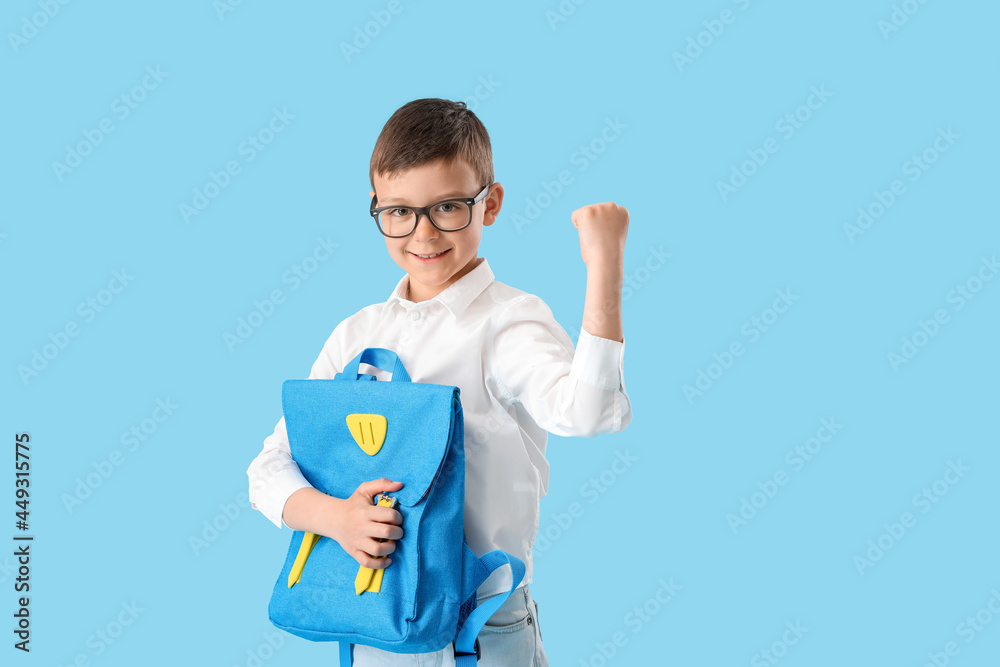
493	201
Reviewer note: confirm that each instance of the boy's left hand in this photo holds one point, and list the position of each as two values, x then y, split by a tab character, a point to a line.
603	228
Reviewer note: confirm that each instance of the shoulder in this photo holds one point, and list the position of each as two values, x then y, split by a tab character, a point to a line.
507	304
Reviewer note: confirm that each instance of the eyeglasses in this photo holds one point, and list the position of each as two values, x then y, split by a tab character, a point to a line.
450	215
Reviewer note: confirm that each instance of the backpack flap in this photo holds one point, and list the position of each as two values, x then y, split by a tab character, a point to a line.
418	422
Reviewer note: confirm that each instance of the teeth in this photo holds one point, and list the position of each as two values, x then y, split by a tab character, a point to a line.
429	256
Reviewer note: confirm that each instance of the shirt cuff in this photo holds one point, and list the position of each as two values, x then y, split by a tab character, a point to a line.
271	500
599	362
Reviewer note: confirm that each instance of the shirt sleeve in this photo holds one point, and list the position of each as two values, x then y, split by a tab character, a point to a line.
567	392
274	474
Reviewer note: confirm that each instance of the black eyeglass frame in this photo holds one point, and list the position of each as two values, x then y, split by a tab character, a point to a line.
425	210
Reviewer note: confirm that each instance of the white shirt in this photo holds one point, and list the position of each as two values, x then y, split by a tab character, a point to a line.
519	379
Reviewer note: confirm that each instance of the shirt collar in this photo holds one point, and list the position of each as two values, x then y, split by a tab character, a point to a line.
457	296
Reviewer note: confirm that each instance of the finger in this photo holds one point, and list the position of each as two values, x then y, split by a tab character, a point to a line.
375	548
381	563
375	486
368	561
383	531
386	515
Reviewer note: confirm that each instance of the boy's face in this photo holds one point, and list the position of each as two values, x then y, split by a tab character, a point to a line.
456	252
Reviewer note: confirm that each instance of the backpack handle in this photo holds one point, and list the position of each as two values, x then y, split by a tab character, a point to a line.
378	357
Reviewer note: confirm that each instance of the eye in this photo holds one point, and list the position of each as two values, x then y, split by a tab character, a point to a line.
444	210
401	212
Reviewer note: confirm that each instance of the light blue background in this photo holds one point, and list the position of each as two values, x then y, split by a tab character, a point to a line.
553	88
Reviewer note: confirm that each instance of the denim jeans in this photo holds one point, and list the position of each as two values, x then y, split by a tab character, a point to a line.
511	638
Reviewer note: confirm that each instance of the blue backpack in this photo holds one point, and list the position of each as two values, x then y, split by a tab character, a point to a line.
352	429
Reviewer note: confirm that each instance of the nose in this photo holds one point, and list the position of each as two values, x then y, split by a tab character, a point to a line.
425	230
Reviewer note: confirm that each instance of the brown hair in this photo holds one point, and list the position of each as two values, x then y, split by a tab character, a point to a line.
429	129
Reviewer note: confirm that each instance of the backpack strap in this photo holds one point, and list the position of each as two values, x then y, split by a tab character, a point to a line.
466	643
476	571
346	654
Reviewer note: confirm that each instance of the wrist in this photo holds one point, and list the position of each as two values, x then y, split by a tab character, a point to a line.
607	265
330	514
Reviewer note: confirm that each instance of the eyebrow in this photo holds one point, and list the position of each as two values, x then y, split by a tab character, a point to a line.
452	195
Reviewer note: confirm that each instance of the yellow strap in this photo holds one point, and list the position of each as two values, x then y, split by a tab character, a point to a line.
308	542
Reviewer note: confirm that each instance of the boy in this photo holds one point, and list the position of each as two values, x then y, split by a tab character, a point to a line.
451	323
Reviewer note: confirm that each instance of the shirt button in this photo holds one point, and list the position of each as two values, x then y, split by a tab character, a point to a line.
414	315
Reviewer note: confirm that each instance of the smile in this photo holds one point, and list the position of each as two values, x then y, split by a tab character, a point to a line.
427	258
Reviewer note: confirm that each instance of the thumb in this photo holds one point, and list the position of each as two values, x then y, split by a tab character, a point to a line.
370	488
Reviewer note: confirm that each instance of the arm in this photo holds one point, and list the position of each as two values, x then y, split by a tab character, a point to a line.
280	491
567	392
603	228
353	522
274	476
602	308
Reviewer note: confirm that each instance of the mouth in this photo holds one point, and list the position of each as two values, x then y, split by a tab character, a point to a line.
430	257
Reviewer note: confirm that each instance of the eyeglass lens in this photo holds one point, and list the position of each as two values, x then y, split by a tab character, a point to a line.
446	215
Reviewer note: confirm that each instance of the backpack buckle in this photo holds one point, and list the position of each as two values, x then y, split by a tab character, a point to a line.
459	654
